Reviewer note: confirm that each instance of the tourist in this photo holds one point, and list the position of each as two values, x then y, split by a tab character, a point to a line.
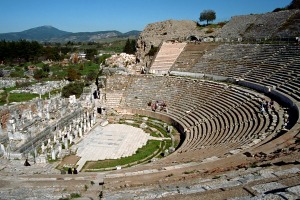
75	171
262	110
271	104
69	171
26	163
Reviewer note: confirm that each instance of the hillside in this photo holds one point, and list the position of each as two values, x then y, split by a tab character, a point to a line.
155	33
284	24
52	34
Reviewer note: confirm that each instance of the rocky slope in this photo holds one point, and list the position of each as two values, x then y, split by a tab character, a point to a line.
155	33
274	24
284	24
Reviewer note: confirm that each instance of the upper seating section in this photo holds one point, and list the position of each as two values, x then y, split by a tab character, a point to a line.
167	55
191	55
269	65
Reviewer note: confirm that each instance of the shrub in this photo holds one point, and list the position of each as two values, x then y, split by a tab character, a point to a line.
73	89
152	51
210	30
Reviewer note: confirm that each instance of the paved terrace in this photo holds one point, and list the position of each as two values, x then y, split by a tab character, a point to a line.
110	142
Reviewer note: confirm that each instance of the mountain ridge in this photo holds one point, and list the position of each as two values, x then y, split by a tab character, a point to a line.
51	34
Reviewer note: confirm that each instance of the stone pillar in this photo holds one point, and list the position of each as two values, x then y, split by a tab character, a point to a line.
53	156
2	148
59	150
66	144
71	138
84	127
76	133
80	132
59	133
43	147
47	115
88	124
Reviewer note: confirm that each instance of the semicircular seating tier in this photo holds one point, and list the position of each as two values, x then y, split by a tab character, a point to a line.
269	68
215	119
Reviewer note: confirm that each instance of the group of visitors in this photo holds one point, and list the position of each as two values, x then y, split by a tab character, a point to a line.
158	105
72	172
266	105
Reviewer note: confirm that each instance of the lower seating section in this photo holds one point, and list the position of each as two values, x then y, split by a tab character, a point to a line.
212	114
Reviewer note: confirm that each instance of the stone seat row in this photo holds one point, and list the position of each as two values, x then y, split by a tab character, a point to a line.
213	128
214	113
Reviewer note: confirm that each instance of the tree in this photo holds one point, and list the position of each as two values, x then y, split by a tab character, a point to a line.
92	75
73	75
91	53
39	74
102	58
46	68
130	47
207	15
75	88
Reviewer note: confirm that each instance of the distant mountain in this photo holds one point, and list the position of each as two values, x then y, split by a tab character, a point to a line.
42	33
87	36
131	33
52	34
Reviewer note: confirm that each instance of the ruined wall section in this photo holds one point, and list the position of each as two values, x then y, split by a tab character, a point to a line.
154	34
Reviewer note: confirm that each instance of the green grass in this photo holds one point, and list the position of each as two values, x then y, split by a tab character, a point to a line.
60	72
75	195
111	45
88	67
159	128
142	153
19	97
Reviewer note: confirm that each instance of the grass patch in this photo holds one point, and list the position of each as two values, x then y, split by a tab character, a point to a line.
19	97
216	177
75	195
159	128
190	172
142	153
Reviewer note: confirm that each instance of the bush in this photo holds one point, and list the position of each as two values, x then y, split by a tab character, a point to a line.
73	74
39	74
75	195
221	24
152	51
102	58
210	30
73	89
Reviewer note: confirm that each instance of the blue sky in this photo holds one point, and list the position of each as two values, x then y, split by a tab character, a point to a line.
121	15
